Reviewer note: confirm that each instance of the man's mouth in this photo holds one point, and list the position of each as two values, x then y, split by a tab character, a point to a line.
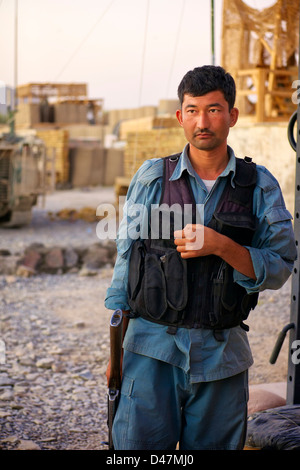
203	134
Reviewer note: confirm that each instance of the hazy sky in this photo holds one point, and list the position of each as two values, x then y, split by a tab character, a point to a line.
129	52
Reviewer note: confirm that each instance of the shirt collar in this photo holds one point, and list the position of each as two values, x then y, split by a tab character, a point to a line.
185	164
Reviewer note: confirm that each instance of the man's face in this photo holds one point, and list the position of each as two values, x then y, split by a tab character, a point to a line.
206	120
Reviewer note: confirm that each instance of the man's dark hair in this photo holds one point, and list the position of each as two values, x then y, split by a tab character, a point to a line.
202	80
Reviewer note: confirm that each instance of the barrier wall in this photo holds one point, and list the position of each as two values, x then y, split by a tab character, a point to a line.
268	145
93	165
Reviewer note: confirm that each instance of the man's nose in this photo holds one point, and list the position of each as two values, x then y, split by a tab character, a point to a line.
202	121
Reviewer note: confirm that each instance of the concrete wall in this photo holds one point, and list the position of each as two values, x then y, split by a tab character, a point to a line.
92	165
268	145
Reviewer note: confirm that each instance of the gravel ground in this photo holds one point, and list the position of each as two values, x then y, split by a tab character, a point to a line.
52	386
55	330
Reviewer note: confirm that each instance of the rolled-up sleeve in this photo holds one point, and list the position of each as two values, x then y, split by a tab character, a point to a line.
273	249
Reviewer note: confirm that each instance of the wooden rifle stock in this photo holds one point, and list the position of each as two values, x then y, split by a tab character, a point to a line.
114	382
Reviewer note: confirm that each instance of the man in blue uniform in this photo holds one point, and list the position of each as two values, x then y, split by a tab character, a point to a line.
185	370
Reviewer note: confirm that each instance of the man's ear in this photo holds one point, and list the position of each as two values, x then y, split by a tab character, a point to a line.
179	116
234	114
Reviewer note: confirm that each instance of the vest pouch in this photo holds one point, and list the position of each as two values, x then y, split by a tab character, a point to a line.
157	282
175	270
154	287
240	227
230	301
229	297
243	302
226	310
135	274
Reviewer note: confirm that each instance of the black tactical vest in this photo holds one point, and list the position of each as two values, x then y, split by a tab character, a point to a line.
195	292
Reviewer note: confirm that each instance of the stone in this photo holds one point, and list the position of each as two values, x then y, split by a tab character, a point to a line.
4	380
58	367
85	272
111	247
16	406
49	439
57	260
54	259
95	257
45	363
85	375
24	271
28	445
31	259
8	264
26	361
36	246
70	258
10	279
6	394
73	270
11	439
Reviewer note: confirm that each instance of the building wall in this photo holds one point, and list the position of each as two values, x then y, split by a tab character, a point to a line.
268	145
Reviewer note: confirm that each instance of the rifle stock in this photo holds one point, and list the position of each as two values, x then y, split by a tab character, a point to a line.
114	382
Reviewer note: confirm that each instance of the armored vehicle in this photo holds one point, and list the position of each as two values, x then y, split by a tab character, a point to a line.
22	178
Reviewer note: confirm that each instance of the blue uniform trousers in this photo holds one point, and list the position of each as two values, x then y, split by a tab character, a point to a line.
159	407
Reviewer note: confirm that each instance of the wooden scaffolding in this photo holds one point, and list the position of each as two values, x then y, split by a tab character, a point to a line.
260	49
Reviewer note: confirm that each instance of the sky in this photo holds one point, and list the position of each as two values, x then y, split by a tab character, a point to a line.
130	53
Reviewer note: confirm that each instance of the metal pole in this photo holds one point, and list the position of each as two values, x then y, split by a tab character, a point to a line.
293	379
16	57
212	32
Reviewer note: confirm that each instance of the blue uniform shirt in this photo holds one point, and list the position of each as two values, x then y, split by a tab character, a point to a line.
273	253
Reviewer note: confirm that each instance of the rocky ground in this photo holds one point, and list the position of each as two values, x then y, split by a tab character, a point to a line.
52	385
55	331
